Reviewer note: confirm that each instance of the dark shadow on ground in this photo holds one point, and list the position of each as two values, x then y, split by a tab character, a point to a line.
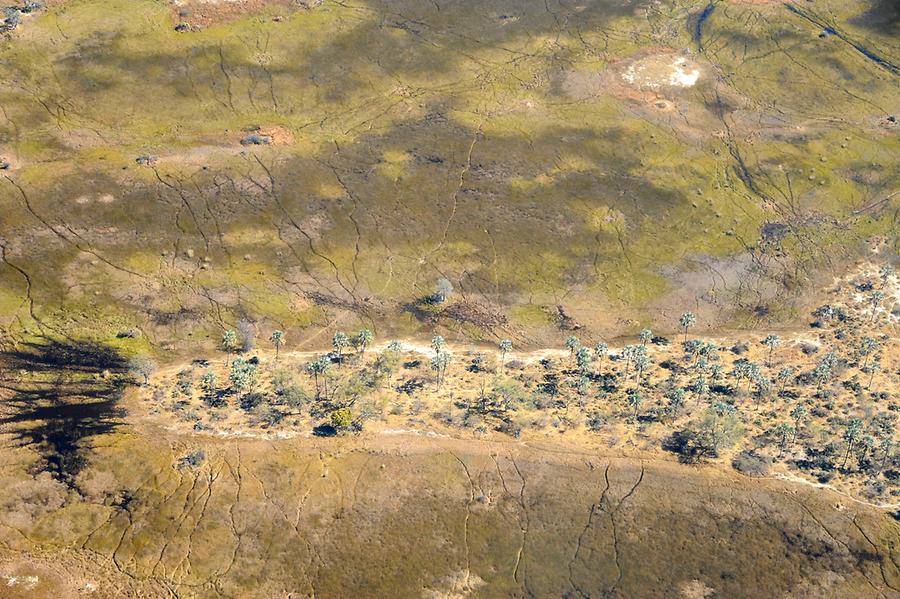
58	394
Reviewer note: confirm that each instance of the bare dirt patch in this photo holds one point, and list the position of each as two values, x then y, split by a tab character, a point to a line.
646	77
206	13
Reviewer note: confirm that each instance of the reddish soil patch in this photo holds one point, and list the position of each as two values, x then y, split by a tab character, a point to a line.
279	135
198	14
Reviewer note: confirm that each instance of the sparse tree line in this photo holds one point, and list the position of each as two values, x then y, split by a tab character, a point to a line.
708	402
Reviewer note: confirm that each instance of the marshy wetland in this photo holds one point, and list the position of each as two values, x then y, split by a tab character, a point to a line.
180	181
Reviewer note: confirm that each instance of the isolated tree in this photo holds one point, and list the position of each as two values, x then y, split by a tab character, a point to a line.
341	419
317	369
821	375
641	362
277	340
340	341
633	355
505	346
687	320
437	344
208	383
572	344
229	344
242	376
693	348
439	364
851	435
363	340
763	386
634	399
885	273
867	347
784	375
874	367
443	290
830	359
799	414
865	445
600	352
886	447
784	430
583	359
771	341
720	426
876	299
753	374
645	336
675	395
143	366
700	387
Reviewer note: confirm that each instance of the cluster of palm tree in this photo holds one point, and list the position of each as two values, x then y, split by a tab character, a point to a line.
701	374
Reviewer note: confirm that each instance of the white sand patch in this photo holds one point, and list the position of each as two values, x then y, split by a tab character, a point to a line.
25	582
681	76
655	72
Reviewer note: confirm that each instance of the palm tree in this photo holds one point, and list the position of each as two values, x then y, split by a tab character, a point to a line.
687	320
242	375
784	375
362	340
700	387
230	344
208	383
676	400
877	297
317	368
867	346
505	346
277	340
799	414
634	399
876	365
600	351
572	344
583	358
885	273
437	344
339	342
783	430
866	443
851	436
641	361
821	374
886	447
771	341
645	336
439	363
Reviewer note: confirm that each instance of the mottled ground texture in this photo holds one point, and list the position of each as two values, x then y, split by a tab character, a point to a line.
169	169
623	160
406	517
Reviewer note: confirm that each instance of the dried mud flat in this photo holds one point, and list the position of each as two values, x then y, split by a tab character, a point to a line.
412	516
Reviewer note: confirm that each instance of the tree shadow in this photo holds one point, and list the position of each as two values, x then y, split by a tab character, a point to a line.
56	395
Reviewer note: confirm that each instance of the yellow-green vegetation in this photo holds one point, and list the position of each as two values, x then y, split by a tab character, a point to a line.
492	146
181	178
